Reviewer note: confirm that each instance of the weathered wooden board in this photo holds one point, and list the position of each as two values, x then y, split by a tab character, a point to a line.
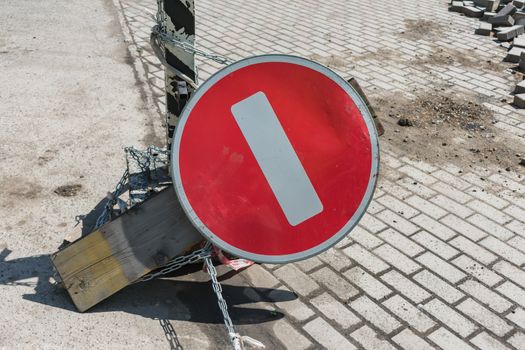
125	249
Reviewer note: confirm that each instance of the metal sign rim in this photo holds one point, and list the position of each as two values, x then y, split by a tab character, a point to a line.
365	201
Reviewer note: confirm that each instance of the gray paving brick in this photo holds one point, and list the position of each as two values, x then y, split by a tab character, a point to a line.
327	336
309	264
489	211
399	207
417	174
423	166
504	250
427	207
450	317
365	258
474	250
517	340
513	292
485	296
335	259
289	336
507	183
261	278
297	280
397	259
293	307
463	227
518	317
371	224
516	227
434	227
485	342
335	283
409	341
450	179
438	286
401	242
368	283
409	313
488	198
451	192
477	270
448	341
441	267
374	314
485	317
516	212
405	286
416	187
369	339
397	222
490	226
435	245
335	311
365	238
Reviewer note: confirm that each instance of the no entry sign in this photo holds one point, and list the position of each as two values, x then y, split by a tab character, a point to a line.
275	158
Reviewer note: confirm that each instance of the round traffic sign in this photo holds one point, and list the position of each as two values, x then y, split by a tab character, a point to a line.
275	158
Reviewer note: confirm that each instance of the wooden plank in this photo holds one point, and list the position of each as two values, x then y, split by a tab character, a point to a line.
125	249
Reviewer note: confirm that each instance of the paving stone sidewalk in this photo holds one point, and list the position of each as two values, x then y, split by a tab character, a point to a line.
438	260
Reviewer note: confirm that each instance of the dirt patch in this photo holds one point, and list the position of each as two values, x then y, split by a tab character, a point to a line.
381	54
443	127
68	190
421	29
20	188
456	112
465	58
332	61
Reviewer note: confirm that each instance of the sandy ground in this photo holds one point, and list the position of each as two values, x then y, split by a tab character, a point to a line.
69	103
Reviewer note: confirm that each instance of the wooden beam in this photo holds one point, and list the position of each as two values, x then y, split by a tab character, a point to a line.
125	249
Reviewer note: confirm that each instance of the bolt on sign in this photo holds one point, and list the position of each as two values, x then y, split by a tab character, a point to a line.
275	158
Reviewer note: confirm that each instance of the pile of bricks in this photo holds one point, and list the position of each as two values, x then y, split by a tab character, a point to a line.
504	19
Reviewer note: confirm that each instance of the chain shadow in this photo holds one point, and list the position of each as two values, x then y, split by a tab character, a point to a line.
194	301
186	297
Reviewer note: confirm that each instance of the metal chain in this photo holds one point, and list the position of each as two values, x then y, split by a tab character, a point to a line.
188	47
160	30
105	216
144	160
178	262
234	337
205	254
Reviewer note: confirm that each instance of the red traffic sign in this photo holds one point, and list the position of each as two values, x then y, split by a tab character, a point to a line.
275	158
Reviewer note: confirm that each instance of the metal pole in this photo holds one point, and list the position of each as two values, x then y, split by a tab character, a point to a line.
180	23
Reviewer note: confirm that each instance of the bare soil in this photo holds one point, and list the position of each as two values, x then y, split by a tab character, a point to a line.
68	190
421	29
444	127
447	56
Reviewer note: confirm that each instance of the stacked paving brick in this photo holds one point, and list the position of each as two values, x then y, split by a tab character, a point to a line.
506	21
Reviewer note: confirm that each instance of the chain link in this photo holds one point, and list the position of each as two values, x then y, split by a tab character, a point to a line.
187	46
144	159
105	216
160	30
178	262
217	288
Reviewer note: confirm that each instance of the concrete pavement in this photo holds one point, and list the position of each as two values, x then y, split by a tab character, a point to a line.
437	262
